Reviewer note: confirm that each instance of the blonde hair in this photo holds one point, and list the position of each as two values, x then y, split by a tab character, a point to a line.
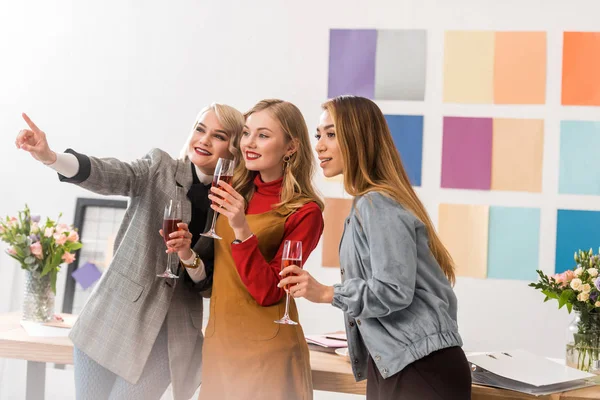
297	187
232	121
372	163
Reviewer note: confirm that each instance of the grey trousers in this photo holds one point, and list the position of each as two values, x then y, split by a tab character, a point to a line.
94	382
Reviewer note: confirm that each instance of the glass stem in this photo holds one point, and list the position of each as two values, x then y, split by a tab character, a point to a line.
169	263
212	227
287	305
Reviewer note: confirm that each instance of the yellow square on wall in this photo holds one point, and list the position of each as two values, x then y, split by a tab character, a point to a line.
469	67
463	230
517	154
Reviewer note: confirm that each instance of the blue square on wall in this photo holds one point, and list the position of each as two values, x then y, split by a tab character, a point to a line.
407	131
579	160
513	243
575	230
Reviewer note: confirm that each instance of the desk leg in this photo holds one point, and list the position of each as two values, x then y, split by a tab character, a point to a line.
36	380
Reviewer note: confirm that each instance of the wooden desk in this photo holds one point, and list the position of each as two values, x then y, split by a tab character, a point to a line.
330	372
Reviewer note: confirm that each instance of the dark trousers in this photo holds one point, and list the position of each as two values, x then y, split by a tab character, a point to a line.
442	375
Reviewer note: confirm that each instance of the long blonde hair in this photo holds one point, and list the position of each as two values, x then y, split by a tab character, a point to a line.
372	163
232	121
297	187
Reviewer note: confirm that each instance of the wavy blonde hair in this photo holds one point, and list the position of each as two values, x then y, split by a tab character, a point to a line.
372	163
232	121
297	187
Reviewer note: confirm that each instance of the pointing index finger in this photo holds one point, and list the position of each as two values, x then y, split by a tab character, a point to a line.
31	124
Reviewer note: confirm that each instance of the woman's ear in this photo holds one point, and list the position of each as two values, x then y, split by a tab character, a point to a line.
292	147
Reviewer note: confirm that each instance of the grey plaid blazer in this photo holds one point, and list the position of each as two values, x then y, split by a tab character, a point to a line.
121	320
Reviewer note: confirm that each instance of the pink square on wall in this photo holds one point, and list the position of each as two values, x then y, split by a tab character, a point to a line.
467	153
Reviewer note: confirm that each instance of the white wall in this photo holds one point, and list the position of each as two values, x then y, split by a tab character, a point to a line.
116	78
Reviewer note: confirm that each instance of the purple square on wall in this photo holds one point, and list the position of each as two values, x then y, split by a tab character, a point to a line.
86	275
352	62
467	153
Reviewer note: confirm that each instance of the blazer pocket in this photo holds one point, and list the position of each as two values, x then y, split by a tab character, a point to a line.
258	323
124	286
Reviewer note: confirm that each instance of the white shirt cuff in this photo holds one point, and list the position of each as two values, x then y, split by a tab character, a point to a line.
66	164
197	274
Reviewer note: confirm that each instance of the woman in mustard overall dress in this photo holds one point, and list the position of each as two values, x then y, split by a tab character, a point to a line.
247	355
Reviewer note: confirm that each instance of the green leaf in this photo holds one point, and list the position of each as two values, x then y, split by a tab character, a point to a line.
564	298
29	260
550	294
47	268
75	246
569	307
53	281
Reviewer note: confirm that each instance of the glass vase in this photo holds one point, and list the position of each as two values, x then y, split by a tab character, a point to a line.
583	342
38	302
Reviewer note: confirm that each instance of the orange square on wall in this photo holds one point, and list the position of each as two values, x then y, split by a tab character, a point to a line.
517	154
581	69
463	230
520	68
335	213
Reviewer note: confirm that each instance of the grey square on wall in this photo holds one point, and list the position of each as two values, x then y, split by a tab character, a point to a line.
400	65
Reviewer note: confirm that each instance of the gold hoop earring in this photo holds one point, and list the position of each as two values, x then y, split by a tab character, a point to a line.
286	159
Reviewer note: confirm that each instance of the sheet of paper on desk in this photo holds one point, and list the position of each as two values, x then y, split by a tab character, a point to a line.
35	329
323	341
528	368
336	336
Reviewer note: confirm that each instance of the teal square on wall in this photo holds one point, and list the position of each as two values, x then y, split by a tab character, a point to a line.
579	158
513	243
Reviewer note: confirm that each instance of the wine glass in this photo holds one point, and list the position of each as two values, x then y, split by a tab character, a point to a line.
224	172
172	217
292	255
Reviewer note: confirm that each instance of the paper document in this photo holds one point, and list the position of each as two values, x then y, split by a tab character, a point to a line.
525	372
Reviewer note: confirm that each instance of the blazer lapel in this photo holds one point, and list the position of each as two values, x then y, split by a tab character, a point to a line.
183	178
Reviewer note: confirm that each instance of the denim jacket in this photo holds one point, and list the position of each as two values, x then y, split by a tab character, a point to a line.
398	304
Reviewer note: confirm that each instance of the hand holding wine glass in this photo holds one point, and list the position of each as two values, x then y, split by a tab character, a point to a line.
300	283
230	203
171	219
224	173
180	241
292	256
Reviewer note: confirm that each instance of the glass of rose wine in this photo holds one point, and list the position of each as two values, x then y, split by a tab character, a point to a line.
292	255
223	172
172	217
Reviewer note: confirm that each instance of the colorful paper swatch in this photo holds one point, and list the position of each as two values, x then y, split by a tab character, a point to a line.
520	68
400	65
382	64
575	230
514	241
407	131
581	69
496	154
484	67
336	211
467	153
579	159
517	154
468	67
352	62
463	229
86	275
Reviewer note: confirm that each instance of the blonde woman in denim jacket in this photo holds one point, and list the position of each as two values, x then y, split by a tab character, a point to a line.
396	291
